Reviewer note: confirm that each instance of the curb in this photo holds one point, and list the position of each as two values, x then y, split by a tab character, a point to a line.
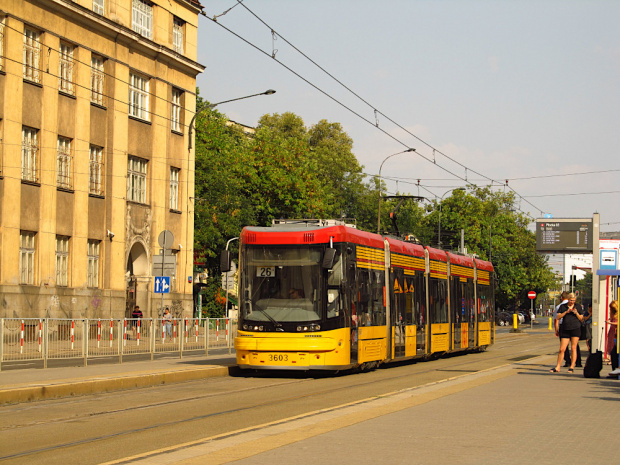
79	387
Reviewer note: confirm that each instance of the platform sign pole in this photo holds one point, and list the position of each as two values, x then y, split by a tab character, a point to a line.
532	297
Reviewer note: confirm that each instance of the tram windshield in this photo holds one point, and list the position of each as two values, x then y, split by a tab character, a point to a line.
281	284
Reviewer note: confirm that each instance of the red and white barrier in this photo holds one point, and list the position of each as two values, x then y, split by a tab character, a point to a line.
217	329
111	331
72	333
98	333
40	334
125	332
138	333
21	342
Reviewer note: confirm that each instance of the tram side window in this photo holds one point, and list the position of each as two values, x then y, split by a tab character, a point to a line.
438	300
485	303
364	302
334	279
378	306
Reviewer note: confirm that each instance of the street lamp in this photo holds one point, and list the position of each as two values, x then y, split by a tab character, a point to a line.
440	205
384	160
213	105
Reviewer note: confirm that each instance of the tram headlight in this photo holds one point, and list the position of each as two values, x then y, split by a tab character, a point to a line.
299	328
245	327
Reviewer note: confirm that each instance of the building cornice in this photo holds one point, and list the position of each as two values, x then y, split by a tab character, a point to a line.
122	34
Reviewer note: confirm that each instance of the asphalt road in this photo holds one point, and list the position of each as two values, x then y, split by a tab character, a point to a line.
105	427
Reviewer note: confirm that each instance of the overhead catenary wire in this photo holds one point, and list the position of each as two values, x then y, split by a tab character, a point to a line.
357	114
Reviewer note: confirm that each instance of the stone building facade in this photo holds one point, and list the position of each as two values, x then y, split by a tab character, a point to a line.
95	99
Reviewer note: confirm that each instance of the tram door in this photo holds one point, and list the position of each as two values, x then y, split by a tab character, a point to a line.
398	312
456	304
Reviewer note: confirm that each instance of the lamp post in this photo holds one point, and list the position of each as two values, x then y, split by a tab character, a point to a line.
440	205
380	167
213	105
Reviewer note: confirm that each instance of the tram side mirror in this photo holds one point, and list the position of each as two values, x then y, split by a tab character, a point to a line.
329	258
225	261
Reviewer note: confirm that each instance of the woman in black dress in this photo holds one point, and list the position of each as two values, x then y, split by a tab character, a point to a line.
572	316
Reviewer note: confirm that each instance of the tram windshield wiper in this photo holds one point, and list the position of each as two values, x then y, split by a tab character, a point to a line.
276	324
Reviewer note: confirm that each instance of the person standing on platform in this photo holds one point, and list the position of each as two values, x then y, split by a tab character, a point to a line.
612	336
572	316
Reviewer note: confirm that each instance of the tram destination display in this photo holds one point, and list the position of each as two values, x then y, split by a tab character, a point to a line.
564	236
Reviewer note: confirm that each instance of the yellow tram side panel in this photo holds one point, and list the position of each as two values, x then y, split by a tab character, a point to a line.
324	349
440	337
372	343
484	333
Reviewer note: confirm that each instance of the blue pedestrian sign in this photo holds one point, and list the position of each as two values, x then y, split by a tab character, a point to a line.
162	285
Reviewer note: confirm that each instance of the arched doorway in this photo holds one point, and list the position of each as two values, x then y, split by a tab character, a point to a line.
138	277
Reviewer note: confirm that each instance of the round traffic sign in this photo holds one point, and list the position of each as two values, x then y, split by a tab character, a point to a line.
531	295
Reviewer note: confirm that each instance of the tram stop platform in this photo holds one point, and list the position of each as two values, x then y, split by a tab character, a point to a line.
32	384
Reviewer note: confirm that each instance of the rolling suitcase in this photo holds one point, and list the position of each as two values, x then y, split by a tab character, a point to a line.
594	363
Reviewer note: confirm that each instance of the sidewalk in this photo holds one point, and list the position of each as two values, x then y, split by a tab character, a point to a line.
33	384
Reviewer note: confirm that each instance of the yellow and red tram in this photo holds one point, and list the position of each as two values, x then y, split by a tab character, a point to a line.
319	295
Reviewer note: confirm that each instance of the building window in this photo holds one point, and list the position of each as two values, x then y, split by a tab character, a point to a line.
65	69
99	6
30	149
96	80
142	18
136	179
26	257
174	188
32	54
177	35
63	163
93	263
175	114
138	96
95	172
62	260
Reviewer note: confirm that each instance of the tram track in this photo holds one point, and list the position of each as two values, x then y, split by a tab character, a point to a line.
456	366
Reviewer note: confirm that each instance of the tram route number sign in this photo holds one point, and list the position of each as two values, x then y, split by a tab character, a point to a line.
564	235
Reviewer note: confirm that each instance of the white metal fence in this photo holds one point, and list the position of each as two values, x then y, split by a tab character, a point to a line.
31	339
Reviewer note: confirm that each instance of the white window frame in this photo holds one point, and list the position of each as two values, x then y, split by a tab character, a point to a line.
175	110
27	250
64	162
95	172
142	18
65	69
62	261
177	34
137	173
32	55
97	79
99	7
174	188
94	250
30	154
138	96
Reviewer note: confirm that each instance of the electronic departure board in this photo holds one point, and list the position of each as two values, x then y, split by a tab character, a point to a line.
564	236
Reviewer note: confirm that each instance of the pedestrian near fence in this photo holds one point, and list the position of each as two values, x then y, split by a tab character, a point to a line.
612	335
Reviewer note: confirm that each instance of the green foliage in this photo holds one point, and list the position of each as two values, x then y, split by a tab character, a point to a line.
286	170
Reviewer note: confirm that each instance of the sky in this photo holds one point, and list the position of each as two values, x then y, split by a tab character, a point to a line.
525	91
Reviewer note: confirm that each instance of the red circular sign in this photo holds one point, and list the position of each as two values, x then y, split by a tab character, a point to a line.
531	295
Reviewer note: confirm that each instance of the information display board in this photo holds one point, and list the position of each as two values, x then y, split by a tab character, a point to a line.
566	235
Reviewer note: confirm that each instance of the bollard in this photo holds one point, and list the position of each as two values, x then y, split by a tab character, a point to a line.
550	324
21	342
515	321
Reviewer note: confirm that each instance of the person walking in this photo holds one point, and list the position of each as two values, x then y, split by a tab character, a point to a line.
572	316
612	336
167	320
136	315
